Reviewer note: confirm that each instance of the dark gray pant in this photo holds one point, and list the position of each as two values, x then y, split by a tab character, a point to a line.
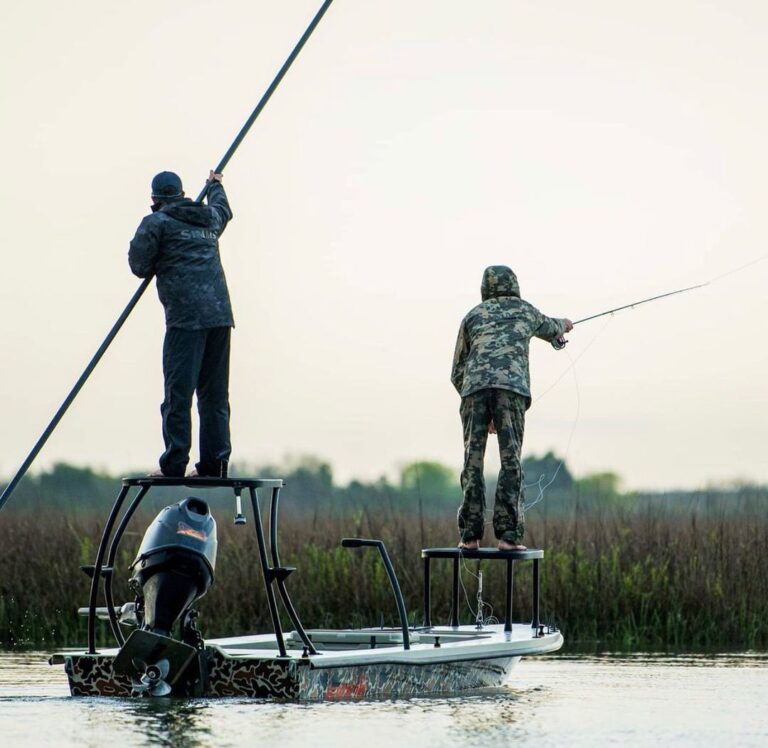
196	361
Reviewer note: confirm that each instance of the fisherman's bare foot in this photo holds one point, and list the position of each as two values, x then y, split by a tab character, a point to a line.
469	545
157	474
507	546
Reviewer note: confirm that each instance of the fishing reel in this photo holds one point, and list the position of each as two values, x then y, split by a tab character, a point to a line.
559	342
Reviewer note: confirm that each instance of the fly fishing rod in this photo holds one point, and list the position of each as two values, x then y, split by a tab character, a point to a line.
143	287
560	342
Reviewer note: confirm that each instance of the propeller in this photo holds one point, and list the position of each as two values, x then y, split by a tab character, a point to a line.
152	681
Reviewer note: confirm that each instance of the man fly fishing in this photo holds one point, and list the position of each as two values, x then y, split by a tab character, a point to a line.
179	243
490	372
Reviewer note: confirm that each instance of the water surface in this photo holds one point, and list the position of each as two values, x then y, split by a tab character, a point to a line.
639	700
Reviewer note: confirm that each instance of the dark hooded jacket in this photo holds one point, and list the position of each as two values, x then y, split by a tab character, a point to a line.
179	244
492	346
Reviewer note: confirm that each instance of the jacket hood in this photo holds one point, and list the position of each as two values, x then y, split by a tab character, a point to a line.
499	280
189	211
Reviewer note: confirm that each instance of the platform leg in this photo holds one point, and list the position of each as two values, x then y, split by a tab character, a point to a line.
267	571
98	566
508	601
536	590
455	597
281	588
427	594
113	621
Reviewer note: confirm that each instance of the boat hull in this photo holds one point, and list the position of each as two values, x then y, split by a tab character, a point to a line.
345	671
287	680
232	677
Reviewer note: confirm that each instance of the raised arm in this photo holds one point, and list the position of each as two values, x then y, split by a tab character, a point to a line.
217	199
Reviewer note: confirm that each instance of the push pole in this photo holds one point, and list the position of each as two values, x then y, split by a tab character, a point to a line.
143	287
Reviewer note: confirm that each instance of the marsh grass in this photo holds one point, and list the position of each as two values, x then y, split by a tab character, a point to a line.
617	581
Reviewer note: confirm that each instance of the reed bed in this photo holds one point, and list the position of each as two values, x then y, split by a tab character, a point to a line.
634	581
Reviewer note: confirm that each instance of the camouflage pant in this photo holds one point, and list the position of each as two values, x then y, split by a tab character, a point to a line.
507	410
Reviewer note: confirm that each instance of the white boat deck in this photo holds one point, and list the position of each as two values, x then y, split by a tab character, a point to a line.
368	646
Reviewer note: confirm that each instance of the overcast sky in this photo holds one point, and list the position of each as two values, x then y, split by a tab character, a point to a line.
605	151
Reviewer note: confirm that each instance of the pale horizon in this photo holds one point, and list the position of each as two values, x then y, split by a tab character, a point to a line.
607	153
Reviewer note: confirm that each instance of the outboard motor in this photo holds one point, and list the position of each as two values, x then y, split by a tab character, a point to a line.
175	564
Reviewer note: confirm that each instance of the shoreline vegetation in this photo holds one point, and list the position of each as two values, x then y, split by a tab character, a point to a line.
678	571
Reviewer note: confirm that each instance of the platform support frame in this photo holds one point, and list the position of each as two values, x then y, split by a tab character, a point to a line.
457	555
273	573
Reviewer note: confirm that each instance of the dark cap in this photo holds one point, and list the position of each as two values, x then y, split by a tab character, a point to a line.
166	184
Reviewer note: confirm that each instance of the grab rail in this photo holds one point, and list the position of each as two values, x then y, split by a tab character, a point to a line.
365	542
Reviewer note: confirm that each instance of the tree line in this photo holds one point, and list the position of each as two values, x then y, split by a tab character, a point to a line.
423	487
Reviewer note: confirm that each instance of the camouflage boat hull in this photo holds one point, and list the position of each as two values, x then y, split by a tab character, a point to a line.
292	680
348	668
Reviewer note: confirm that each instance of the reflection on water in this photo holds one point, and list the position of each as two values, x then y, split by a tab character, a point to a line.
575	700
163	722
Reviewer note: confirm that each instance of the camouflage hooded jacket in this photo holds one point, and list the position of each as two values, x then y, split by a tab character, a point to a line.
492	347
179	243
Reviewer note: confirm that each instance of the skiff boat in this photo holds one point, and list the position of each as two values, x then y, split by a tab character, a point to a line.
166	655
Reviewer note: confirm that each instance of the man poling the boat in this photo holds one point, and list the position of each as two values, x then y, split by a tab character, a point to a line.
115	329
490	372
178	243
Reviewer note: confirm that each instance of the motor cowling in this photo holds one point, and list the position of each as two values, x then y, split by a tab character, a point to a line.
175	564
